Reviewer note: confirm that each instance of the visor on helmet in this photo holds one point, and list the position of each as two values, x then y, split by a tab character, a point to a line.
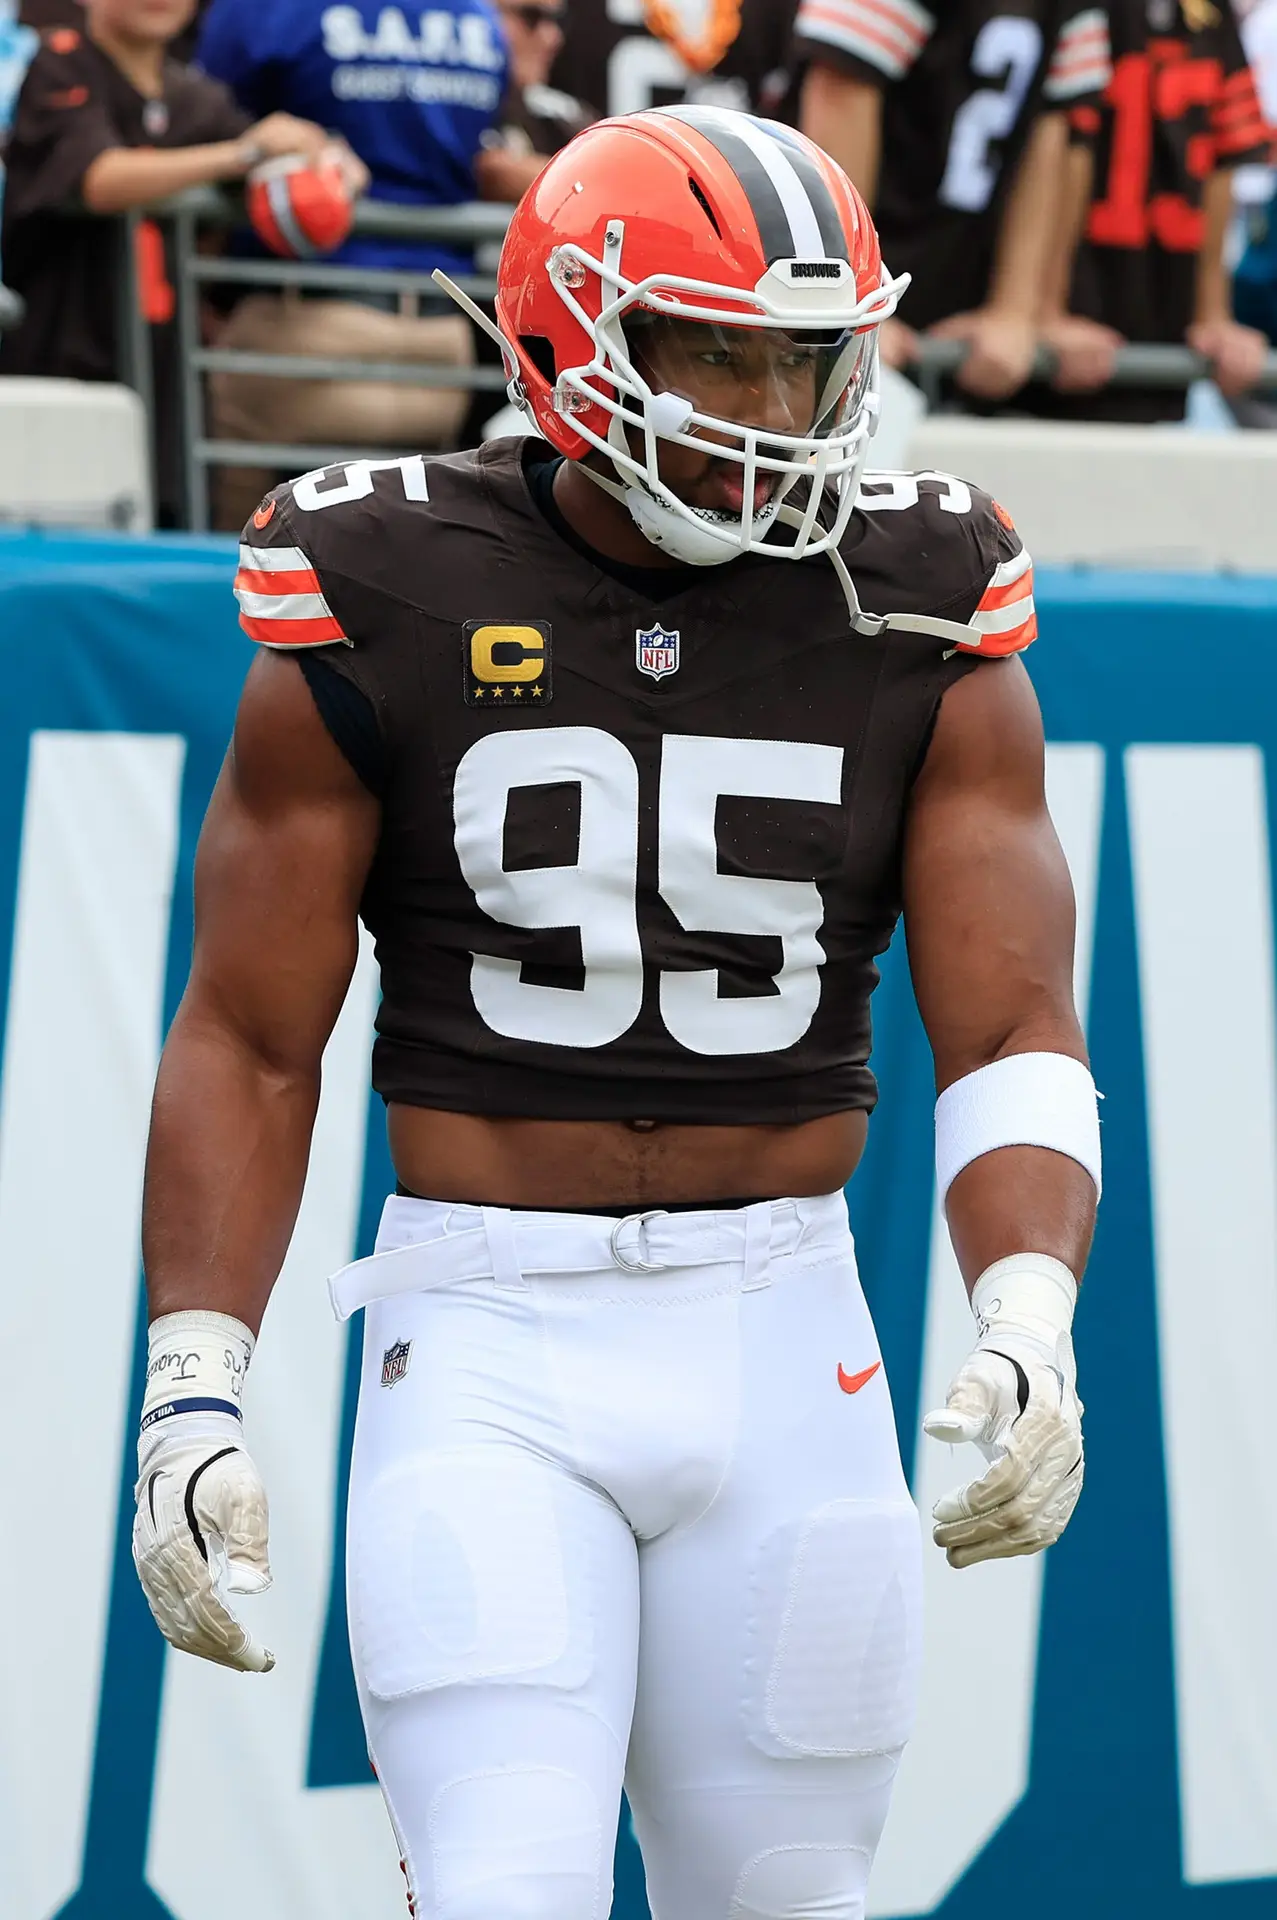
759	400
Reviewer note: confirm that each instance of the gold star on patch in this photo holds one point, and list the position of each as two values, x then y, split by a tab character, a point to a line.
536	693
518	693
496	693
478	693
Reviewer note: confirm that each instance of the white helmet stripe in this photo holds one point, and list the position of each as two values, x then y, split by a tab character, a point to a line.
281	205
780	170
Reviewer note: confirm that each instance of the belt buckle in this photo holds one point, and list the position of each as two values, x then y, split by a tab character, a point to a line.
639	1221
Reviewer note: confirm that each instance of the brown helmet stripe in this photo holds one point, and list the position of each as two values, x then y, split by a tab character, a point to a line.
774	232
796	213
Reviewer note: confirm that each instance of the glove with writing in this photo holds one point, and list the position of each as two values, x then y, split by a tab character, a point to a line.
1015	1397
200	1530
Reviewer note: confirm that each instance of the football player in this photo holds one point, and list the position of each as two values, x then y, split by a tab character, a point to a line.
629	745
952	124
650	53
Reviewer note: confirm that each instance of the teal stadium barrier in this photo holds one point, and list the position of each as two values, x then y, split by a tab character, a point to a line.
1099	1732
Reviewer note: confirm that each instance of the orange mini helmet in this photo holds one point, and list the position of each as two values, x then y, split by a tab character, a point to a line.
702	214
299	208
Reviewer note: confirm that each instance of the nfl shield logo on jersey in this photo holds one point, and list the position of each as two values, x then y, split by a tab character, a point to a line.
394	1362
656	651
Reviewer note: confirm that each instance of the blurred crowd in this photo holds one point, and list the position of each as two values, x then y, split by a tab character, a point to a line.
1052	173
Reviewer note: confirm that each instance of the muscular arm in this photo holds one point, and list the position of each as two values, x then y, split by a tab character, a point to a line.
1084	349
1213	293
989	917
844	116
287	843
1075	195
1031	220
1236	353
125	177
1003	331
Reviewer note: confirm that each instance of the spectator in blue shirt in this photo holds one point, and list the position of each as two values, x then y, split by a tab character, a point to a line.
412	90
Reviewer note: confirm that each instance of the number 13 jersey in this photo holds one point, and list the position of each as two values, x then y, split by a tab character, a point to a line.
635	859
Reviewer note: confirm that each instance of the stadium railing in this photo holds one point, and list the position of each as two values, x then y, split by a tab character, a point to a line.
480	225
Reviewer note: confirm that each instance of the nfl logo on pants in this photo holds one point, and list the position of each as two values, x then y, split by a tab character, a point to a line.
656	651
394	1362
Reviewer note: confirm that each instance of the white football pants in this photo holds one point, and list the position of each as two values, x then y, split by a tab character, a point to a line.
626	1506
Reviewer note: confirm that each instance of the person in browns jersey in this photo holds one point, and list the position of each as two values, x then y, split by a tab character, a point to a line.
107	122
629	746
951	121
627	55
1151	177
70	13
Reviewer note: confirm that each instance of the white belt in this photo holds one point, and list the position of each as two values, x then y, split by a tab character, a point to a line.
478	1243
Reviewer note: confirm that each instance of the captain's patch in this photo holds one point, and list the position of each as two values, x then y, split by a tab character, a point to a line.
506	666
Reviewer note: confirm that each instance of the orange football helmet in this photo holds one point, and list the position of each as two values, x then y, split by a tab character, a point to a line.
299	208
708	215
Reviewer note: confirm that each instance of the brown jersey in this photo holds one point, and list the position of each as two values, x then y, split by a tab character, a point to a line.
617	55
76	105
963	82
70	13
636	859
1181	105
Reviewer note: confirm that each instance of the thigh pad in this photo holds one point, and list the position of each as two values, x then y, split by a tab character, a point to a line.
835	1632
461	1570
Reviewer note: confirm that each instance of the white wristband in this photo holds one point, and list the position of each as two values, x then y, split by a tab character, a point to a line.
1024	1100
196	1363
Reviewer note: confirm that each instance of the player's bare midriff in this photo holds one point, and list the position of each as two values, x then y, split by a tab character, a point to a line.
507	1162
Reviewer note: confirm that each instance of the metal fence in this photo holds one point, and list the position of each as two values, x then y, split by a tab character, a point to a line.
206	209
478	225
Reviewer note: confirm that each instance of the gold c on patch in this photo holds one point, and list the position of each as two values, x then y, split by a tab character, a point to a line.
506	666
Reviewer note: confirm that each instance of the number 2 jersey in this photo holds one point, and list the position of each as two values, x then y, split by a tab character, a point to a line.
637	856
963	81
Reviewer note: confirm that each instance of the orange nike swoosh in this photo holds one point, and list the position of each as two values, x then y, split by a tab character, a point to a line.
265	514
853	1382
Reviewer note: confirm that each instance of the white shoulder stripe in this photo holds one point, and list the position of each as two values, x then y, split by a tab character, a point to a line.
873	52
904	17
1012	570
1083	80
1003	619
275	560
1092	20
283	606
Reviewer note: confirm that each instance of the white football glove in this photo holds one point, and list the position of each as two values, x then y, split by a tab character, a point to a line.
1016	1398
201	1523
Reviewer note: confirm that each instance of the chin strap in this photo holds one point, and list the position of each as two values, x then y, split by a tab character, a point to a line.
872	624
676	536
668	530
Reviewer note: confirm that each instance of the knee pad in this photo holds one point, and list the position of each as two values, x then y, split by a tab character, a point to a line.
790	1883
835	1632
519	1843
